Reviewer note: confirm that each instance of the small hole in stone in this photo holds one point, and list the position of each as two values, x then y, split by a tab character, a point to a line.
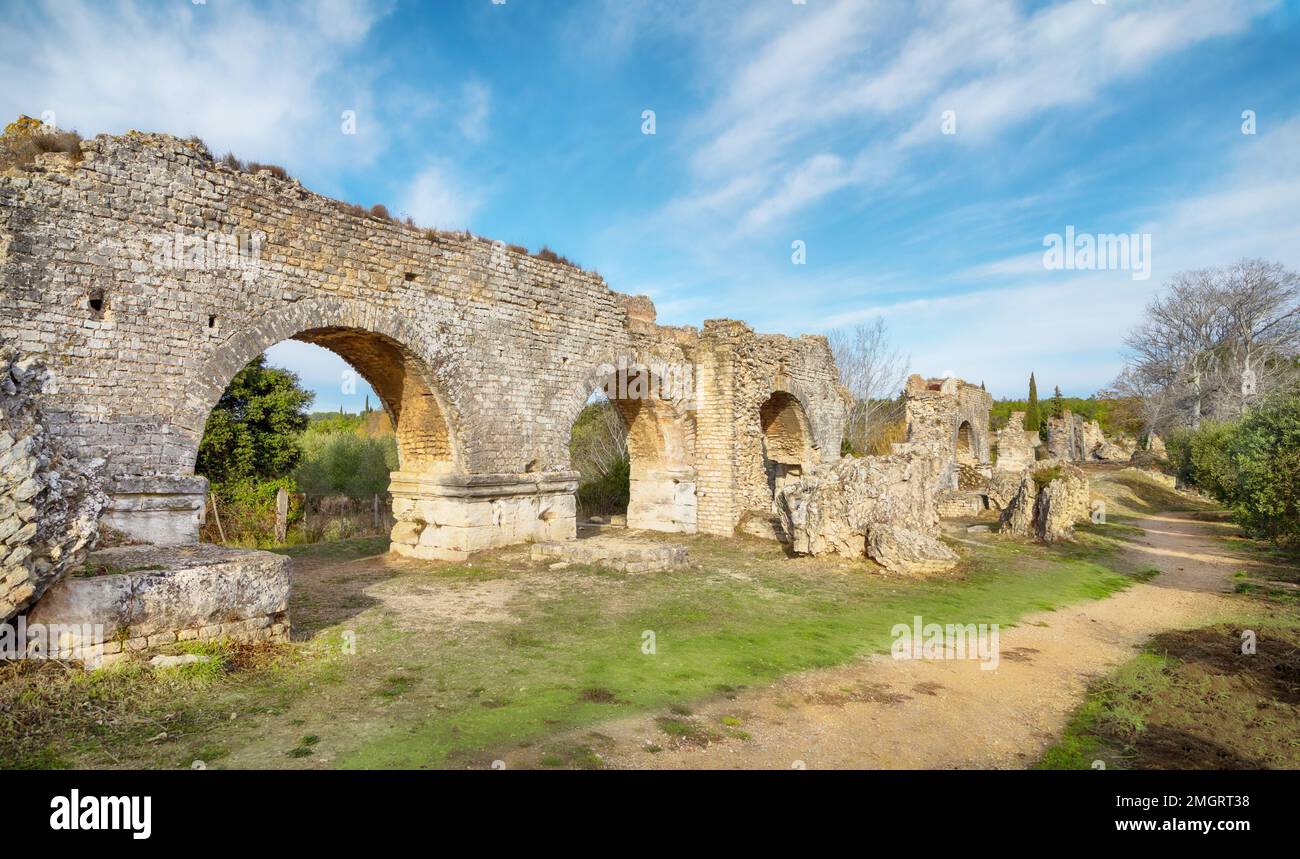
212	321
97	301
531	466
410	276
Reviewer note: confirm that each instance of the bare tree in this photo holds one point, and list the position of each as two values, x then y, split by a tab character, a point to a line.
874	372
1214	343
599	438
1262	318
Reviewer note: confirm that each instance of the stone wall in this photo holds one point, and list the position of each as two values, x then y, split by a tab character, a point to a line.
1016	445
952	414
146	275
50	500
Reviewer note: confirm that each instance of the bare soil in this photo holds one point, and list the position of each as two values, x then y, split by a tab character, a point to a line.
884	713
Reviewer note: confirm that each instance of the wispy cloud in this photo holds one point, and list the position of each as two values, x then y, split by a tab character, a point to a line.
840	95
437	197
262	81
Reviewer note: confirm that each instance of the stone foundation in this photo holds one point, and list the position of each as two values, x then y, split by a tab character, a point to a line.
149	597
663	499
616	553
165	511
448	517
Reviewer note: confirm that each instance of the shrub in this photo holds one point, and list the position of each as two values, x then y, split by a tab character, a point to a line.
26	138
1203	458
548	255
379	210
1266	456
609	493
345	463
276	170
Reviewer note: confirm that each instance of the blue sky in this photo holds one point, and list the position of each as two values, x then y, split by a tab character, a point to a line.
775	122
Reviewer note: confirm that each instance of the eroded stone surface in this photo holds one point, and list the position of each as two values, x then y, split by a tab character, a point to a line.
49	499
147	596
907	552
617	553
833	510
1048	513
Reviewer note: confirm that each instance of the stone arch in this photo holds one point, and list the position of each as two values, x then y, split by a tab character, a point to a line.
660	425
377	343
787	439
966	445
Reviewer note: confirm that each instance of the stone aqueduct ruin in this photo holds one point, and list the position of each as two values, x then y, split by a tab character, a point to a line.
144	275
483	356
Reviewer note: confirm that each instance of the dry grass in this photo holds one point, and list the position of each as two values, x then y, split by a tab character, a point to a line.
21	149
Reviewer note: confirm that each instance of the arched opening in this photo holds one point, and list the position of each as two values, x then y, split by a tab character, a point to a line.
966	452
316	441
786	441
630	445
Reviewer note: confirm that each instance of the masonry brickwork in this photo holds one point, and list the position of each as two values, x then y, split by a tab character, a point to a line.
144	275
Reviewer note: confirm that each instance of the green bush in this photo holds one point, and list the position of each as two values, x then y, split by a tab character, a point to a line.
609	493
246	509
1266	454
345	464
1204	458
1252	466
252	432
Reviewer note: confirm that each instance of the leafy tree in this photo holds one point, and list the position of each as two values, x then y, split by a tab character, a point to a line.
252	432
1058	403
345	463
1033	420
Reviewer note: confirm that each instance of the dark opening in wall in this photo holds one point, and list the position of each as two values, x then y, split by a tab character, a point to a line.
212	321
97	301
410	276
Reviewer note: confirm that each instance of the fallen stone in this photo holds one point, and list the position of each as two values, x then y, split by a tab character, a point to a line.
617	553
161	661
149	595
832	510
908	553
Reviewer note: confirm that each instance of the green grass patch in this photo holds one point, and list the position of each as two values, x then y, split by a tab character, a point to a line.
711	632
1194	699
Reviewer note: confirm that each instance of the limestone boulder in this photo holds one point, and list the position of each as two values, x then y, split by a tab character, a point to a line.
1048	502
1108	451
139	592
1091	438
1017	519
1003	486
831	510
906	552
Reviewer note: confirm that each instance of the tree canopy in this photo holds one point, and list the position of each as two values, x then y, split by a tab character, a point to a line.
252	432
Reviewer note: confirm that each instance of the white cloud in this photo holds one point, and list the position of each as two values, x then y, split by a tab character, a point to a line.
798	95
475	109
1069	327
438	198
261	81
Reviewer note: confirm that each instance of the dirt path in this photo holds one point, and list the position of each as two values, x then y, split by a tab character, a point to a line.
887	713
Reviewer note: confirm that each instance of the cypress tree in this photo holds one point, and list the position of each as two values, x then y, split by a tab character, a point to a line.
1032	418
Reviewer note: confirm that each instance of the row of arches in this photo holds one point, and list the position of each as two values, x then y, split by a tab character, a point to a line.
658	419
